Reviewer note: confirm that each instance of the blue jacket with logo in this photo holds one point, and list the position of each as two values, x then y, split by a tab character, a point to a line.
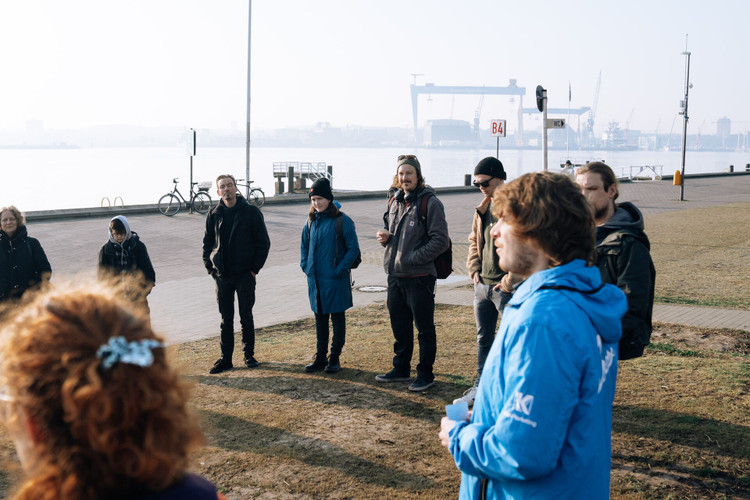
542	420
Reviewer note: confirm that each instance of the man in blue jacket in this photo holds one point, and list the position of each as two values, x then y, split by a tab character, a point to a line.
542	418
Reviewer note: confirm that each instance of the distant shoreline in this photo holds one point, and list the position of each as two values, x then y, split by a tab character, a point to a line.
40	146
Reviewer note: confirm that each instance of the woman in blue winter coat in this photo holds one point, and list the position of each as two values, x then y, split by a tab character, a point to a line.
327	251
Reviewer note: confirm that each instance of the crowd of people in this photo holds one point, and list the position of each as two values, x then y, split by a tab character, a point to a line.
565	269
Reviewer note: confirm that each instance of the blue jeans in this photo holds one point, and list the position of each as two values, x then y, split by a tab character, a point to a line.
411	301
487	306
244	286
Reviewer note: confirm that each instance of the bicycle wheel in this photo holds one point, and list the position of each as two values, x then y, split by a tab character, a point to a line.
169	204
202	202
257	197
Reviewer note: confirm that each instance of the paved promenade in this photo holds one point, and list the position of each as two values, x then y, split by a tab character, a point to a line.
183	303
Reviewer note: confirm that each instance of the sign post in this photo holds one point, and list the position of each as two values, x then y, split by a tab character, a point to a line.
191	151
541	105
497	129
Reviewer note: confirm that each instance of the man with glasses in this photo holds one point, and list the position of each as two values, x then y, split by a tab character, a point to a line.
492	286
415	234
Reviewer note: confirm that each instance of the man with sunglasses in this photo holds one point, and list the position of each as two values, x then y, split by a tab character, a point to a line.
492	286
415	234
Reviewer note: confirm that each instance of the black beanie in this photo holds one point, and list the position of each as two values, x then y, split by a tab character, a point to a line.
321	187
490	166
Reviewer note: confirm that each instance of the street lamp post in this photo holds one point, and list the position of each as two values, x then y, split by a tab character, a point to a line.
684	112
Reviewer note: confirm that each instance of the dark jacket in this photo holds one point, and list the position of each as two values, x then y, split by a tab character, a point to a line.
127	257
624	259
412	248
327	276
192	487
23	263
248	240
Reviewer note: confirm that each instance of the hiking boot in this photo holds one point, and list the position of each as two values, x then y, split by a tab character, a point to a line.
318	364
420	385
220	366
392	376
468	396
333	364
251	362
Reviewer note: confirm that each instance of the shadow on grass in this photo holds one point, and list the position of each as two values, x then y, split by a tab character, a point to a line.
719	438
353	388
251	437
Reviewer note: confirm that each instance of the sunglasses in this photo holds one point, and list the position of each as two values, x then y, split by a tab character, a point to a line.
410	157
482	184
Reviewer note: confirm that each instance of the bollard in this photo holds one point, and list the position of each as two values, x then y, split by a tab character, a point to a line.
731	168
747	167
677	181
290	179
467	180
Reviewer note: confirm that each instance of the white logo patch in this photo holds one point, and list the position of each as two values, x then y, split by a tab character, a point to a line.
522	404
607	360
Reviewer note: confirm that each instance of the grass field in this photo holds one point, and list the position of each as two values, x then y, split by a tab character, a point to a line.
681	418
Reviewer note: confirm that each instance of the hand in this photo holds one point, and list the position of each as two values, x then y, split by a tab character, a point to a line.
383	237
498	287
475	277
446	425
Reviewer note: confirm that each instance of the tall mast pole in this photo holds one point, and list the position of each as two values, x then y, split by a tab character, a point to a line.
247	128
684	112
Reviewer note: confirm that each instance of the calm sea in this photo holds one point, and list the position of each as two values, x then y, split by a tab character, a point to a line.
79	178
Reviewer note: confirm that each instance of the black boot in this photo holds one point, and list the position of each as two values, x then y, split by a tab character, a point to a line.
319	363
333	364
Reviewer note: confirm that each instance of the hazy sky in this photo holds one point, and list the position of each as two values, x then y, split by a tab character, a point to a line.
77	63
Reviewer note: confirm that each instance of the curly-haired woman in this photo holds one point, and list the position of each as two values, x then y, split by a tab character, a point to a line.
91	403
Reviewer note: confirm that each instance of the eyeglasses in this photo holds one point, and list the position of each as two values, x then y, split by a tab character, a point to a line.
410	157
482	184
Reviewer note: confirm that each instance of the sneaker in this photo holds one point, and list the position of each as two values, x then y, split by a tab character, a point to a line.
318	364
392	376
333	365
251	362
420	385
220	366
468	396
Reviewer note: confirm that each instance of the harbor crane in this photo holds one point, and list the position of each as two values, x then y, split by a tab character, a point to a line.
592	113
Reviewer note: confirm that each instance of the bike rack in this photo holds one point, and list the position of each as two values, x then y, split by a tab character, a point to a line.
109	204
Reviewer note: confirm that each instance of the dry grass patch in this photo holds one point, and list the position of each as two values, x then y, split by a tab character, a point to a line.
681	416
702	255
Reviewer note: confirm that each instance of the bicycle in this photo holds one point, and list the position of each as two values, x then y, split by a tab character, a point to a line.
200	200
256	197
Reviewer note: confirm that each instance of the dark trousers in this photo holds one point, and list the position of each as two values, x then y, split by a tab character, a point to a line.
244	286
411	301
339	333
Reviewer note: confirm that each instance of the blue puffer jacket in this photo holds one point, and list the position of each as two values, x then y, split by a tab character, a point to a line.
318	262
542	420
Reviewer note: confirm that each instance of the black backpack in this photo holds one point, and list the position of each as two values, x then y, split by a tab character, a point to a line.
338	223
444	261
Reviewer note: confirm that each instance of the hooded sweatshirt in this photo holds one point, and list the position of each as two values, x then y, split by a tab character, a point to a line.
542	419
126	257
624	259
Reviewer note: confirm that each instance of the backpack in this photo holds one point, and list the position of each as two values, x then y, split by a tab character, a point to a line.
444	261
338	224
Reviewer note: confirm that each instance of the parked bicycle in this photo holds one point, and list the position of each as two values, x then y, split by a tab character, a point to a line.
256	197
200	201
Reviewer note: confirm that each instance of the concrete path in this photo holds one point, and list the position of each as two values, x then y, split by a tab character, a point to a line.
183	304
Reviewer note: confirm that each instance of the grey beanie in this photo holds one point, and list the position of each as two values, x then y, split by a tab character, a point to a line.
409	160
490	166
